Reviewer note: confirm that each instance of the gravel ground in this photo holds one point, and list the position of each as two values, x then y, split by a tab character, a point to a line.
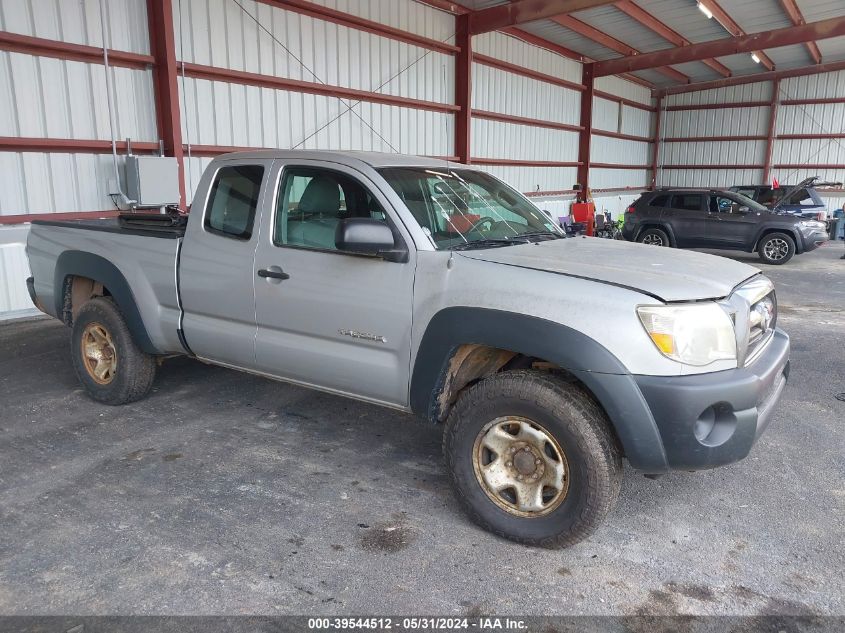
224	493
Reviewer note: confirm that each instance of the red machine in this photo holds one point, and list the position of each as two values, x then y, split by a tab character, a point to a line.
585	213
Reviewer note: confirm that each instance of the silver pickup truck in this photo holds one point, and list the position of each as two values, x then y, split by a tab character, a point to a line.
433	288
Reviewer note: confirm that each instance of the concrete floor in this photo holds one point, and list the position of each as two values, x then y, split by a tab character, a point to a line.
226	493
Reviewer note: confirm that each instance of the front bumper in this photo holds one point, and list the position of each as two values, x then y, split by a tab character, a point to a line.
708	420
813	239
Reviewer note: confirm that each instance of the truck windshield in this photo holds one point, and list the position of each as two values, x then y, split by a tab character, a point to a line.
463	208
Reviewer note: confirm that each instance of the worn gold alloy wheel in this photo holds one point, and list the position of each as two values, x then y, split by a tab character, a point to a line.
98	353
520	466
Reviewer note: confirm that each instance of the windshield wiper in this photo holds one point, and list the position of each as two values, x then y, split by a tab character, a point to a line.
488	243
551	234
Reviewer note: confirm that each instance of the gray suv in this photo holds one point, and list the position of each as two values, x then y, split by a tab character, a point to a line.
433	288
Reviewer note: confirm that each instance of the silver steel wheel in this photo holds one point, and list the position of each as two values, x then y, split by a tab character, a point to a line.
520	466
653	240
776	249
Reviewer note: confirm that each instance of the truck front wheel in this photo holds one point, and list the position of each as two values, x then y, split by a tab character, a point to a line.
532	458
108	363
776	248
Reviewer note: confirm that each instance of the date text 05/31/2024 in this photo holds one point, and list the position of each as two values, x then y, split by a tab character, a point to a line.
418	623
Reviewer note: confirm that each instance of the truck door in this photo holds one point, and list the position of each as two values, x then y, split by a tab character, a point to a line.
216	266
329	319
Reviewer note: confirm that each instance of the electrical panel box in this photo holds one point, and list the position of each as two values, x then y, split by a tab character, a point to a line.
152	181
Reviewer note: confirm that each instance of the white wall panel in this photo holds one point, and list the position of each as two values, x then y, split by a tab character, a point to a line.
793	175
624	152
760	91
821	86
623	88
78	22
602	178
709	177
43	183
14	269
220	113
493	139
615	117
515	51
716	122
636	121
500	91
811	119
810	151
46	97
218	33
528	179
714	153
414	17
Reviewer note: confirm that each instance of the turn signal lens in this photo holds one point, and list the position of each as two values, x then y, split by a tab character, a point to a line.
665	343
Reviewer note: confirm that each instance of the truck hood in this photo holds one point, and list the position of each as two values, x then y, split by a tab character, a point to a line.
667	274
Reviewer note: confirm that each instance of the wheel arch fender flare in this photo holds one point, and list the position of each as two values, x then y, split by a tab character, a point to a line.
765	230
594	365
101	270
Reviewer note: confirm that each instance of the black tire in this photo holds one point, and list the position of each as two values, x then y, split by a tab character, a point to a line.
133	370
654	237
580	428
776	248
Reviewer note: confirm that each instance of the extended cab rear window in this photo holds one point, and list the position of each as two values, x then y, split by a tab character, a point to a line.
233	201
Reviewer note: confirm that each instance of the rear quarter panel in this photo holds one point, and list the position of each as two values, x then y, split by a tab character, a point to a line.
147	263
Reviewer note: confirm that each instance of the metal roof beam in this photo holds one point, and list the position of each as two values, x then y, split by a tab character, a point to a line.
823	29
523	11
600	37
632	10
734	29
791	9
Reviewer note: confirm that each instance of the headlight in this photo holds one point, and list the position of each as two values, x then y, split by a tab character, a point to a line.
695	334
811	224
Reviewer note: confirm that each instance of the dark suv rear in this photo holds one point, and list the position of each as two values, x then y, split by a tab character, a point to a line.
716	218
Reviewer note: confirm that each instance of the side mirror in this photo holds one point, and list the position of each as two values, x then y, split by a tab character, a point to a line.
368	236
743	210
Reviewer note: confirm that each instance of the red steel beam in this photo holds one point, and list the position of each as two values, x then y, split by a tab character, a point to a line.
311	9
600	37
446	5
822	101
565	192
622	101
625	137
526	72
831	27
588	80
21	218
718	106
213	73
463	90
770	135
655	152
809	137
632	10
712	139
730	25
69	145
510	118
665	166
827	67
511	162
522	11
807	166
619	166
15	43
165	82
791	9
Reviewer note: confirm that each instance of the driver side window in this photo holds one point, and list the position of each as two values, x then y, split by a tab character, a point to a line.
312	202
721	204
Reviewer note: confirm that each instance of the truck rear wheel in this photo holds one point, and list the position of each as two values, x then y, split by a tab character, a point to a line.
532	458
776	248
654	237
107	361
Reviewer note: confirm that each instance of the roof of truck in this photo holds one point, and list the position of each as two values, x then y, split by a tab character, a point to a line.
373	159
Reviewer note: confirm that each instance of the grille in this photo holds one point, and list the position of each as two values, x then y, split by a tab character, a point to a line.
762	320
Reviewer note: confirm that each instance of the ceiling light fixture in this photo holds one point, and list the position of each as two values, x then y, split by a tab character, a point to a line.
755	58
705	10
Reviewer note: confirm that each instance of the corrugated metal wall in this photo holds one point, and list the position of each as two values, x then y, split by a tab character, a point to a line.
800	119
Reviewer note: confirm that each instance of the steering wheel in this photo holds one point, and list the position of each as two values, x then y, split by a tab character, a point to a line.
481	222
